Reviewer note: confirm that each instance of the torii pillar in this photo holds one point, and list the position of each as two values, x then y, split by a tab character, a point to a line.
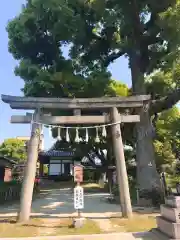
122	177
30	173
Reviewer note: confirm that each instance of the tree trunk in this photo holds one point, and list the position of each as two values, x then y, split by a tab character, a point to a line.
147	175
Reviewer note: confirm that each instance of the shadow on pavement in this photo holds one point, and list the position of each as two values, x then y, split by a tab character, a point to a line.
144	236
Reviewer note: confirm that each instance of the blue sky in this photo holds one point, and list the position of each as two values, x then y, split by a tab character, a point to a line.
9	84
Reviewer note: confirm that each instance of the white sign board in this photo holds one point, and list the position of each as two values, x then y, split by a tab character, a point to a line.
78	198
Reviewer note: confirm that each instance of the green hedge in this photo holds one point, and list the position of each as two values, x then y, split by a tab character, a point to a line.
9	191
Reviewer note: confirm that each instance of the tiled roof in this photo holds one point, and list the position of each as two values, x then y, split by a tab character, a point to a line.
91	159
56	153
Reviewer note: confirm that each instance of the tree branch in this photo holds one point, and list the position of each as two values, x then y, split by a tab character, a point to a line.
150	40
150	24
165	103
113	57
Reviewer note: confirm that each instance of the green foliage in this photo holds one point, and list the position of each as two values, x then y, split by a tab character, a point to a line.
164	156
36	38
167	147
45	169
170	22
9	191
155	195
117	88
167	143
160	84
9	184
94	35
14	148
168	125
96	32
172	180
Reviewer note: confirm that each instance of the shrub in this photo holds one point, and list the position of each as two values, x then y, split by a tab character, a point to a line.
155	195
9	191
7	185
132	189
115	190
173	181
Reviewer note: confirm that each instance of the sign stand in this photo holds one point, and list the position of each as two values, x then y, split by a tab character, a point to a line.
78	196
78	210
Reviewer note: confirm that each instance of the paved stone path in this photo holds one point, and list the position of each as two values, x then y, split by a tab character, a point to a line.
59	203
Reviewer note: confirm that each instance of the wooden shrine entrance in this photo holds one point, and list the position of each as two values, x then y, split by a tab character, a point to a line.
109	109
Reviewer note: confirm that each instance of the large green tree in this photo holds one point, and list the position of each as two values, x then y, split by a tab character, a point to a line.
15	149
97	33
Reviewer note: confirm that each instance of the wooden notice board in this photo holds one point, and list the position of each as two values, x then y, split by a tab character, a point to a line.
78	173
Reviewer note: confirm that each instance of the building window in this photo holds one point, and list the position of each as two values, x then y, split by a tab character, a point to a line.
60	167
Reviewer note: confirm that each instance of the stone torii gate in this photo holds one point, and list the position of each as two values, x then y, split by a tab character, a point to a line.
106	105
